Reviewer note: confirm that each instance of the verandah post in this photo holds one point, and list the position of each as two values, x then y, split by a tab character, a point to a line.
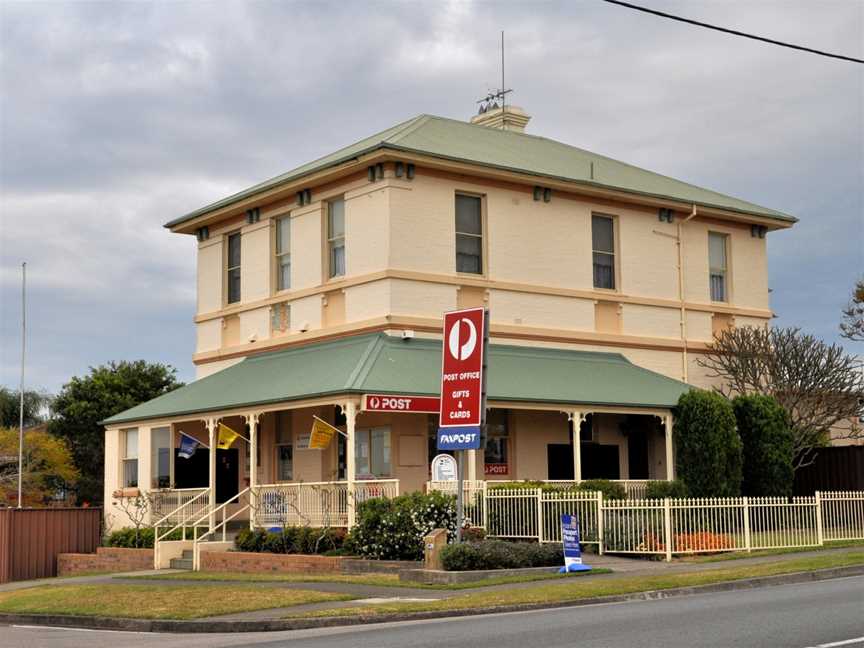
211	472
350	460
252	420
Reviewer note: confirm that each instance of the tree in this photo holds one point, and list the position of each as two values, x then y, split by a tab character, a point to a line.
106	391
48	467
820	386
852	325
707	447
34	404
766	437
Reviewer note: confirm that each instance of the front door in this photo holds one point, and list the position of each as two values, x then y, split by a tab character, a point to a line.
227	474
559	461
637	454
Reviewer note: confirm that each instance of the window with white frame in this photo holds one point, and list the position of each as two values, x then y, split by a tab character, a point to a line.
336	237
717	263
284	447
130	458
372	452
283	253
603	248
232	268
160	457
469	234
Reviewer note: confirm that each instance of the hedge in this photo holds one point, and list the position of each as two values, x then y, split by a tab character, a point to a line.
610	489
707	447
664	489
766	436
498	554
291	540
126	538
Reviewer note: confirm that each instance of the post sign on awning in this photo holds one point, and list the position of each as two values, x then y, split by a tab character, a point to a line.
463	386
400	403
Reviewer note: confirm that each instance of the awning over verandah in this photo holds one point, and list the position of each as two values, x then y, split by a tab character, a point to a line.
380	363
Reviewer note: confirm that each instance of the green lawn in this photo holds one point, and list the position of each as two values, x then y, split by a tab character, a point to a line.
563	592
378	580
154	601
737	555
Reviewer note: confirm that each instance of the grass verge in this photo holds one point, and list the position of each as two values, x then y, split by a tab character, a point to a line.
155	602
375	580
573	591
738	555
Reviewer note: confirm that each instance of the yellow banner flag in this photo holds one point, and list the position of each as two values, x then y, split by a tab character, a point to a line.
227	437
321	435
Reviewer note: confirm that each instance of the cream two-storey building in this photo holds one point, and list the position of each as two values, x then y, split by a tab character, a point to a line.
604	283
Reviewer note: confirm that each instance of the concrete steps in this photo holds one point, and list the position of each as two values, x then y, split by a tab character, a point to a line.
183	563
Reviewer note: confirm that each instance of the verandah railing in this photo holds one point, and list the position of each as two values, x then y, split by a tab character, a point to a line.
314	503
666	526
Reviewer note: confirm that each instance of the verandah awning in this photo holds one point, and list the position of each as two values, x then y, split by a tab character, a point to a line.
379	363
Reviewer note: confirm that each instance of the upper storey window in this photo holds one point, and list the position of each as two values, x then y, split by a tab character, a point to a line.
336	237
469	234
717	264
232	268
283	253
603	246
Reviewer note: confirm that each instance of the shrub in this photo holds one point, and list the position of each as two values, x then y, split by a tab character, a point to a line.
707	447
610	489
126	538
664	489
766	436
393	529
302	540
473	534
497	554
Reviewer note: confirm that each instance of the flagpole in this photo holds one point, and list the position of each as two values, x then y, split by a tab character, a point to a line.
21	389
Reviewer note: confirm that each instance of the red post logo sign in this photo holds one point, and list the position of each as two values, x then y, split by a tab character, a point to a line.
399	403
462	368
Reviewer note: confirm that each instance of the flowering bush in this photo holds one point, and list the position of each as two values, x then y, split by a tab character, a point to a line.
393	529
497	554
702	541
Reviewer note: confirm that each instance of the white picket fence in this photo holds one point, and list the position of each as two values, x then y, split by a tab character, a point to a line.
666	526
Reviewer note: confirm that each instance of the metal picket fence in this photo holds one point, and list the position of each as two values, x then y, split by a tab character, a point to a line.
666	527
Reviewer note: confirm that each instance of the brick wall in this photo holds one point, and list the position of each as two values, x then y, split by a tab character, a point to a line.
249	563
106	559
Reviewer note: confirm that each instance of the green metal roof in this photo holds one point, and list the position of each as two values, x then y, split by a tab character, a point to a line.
464	142
379	363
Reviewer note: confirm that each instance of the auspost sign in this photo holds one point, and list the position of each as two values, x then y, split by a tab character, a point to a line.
462	407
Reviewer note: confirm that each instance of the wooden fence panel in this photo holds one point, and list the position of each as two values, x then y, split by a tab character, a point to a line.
840	468
31	539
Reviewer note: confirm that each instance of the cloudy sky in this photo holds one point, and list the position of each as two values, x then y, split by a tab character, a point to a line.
117	117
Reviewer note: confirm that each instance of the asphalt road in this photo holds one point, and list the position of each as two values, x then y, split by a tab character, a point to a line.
828	614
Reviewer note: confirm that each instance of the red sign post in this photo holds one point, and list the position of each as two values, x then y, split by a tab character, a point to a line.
462	384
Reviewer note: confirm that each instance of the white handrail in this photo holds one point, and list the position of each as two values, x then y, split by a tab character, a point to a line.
196	540
182	524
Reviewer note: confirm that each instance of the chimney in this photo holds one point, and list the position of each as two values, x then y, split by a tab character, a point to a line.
509	118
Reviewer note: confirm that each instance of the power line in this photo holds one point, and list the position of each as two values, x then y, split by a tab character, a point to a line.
734	32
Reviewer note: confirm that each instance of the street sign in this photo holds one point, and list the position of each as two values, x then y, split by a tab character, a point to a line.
443	468
462	365
570	538
400	403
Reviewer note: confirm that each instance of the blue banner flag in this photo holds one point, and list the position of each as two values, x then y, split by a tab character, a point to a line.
570	538
459	438
188	446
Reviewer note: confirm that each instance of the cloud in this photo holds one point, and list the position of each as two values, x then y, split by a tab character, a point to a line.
119	117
